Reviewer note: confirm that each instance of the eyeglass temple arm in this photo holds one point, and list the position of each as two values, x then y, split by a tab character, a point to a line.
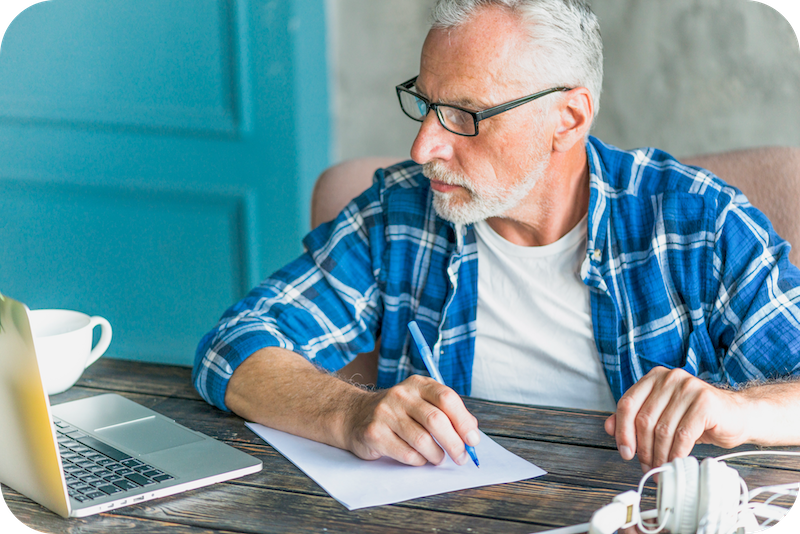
491	112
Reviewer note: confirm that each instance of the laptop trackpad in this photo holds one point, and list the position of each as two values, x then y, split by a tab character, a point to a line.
147	435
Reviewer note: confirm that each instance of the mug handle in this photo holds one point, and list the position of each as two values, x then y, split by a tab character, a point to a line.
105	338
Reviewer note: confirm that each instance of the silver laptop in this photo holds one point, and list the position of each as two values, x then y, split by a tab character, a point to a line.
94	454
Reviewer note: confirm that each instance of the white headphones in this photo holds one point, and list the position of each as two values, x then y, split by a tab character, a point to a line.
698	497
692	498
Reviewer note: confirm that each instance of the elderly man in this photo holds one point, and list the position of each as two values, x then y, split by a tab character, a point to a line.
542	265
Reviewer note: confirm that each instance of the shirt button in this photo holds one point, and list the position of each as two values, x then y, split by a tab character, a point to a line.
597	255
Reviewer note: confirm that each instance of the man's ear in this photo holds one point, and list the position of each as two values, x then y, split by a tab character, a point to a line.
575	114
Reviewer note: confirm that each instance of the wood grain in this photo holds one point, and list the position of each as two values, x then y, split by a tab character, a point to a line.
584	473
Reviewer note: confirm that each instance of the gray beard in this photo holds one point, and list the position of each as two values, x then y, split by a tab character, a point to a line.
481	204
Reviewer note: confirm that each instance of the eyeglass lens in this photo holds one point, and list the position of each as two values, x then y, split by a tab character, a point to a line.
451	118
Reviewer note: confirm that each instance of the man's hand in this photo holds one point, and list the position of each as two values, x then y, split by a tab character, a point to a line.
667	412
412	422
282	390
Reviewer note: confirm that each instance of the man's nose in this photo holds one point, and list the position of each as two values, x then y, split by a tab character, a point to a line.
433	142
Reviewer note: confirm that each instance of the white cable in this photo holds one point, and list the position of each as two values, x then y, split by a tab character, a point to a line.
744	493
659	528
782	489
768	511
649	474
756	453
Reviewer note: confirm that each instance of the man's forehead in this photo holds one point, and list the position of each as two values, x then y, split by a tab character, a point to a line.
471	63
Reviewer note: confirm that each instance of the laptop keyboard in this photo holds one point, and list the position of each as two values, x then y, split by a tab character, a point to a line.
94	469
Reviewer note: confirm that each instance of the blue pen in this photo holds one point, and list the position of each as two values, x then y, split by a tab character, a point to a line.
427	357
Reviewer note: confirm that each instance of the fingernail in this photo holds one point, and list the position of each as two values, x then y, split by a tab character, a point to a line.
473	438
625	452
461	460
645	468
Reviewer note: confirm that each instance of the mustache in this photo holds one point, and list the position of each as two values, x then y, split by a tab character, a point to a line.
435	170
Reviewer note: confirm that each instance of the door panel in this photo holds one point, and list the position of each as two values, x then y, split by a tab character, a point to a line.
157	158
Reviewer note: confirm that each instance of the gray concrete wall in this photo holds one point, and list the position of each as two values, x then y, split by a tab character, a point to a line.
688	76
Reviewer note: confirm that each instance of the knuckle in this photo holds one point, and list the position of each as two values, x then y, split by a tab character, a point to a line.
419	440
684	434
383	411
625	404
415	380
643	420
435	418
412	457
662	431
372	434
676	375
448	398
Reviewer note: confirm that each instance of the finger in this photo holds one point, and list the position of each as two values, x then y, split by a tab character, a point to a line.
420	439
625	418
443	414
384	426
690	430
379	441
434	422
450	402
610	425
647	421
664	432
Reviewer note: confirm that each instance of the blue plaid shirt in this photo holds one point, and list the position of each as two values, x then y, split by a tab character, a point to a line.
682	272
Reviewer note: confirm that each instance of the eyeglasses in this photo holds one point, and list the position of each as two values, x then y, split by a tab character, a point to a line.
456	119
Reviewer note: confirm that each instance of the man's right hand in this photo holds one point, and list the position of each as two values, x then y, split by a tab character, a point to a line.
282	390
412	422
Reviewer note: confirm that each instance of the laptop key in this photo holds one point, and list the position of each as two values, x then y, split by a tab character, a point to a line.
131	462
102	448
109	489
126	484
139	479
94	494
162	478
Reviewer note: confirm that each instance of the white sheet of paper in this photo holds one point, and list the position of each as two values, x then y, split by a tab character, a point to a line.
358	483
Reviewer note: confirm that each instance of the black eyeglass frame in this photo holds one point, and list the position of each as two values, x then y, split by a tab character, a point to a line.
477	116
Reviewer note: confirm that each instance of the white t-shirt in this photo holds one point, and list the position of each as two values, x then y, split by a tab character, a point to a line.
534	342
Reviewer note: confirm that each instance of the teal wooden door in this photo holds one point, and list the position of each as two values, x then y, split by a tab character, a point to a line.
156	158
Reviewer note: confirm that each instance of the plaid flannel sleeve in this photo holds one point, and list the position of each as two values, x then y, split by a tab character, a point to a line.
325	305
756	311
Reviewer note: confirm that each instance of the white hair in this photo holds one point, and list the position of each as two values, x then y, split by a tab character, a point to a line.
564	33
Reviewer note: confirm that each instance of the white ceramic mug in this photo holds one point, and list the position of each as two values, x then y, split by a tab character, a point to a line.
63	342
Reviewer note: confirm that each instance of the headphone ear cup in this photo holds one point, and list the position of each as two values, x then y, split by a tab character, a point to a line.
677	495
719	499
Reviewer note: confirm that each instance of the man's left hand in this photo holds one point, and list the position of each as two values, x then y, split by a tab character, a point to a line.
667	412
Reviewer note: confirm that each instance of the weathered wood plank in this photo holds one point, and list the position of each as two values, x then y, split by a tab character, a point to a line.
579	427
43	520
258	510
140	377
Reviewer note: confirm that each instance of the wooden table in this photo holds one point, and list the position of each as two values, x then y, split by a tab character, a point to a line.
584	473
